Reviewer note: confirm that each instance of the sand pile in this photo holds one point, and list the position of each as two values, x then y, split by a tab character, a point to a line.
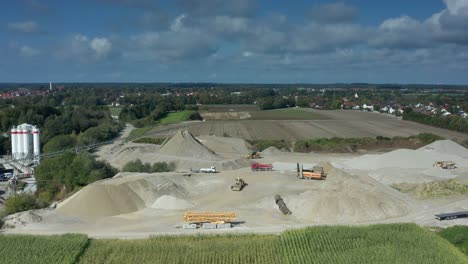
106	198
168	202
348	199
184	144
271	151
447	147
236	146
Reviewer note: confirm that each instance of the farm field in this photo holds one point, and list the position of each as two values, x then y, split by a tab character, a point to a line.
394	243
115	111
288	114
330	124
175	117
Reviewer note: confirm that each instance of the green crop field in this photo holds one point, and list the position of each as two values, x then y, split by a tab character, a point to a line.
24	249
395	243
287	114
175	117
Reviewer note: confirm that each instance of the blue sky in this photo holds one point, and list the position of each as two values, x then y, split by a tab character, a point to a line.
234	41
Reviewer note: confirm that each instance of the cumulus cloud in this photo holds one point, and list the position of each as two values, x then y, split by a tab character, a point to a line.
23	27
333	13
83	48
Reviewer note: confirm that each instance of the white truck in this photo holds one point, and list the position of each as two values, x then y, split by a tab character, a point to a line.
211	169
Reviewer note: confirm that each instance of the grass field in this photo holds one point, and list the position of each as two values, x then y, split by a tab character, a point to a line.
395	243
115	111
287	114
175	117
457	235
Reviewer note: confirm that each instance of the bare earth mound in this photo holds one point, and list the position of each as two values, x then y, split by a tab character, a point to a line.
168	202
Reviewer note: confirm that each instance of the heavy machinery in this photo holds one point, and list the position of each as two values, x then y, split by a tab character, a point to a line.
253	155
238	185
211	169
315	174
448	165
281	205
261	167
208	220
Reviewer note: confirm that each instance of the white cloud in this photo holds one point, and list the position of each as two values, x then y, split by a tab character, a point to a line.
102	46
177	24
26	51
23	27
455	5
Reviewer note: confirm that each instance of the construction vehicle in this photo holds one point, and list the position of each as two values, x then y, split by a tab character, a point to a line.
211	169
208	220
448	165
281	205
238	185
254	155
261	167
315	174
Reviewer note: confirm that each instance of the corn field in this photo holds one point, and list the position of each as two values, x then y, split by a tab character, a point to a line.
41	249
396	243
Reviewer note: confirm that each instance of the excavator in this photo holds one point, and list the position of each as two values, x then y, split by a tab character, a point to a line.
448	165
316	173
253	155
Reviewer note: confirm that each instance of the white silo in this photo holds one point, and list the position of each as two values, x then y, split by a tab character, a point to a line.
19	143
14	144
36	144
25	142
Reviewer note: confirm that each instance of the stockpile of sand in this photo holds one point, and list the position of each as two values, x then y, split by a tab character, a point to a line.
343	198
425	157
226	145
271	151
184	144
106	198
447	147
168	202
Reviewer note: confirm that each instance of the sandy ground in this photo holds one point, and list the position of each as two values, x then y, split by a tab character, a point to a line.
356	192
337	123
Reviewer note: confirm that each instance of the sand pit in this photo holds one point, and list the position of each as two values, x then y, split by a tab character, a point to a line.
168	202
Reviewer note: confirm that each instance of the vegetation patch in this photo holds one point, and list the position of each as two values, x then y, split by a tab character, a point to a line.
138	166
175	117
115	111
138	132
458	236
352	144
261	145
149	140
433	189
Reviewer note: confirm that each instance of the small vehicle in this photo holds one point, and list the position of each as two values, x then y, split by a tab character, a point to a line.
316	173
211	169
261	167
238	185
